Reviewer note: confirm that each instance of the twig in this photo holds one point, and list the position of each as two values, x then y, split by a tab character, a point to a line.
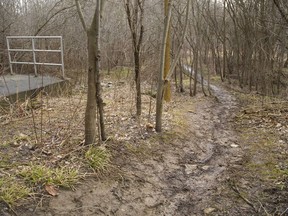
236	190
261	206
90	207
74	150
34	124
39	203
284	212
12	210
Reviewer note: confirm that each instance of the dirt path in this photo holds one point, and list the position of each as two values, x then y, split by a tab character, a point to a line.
182	179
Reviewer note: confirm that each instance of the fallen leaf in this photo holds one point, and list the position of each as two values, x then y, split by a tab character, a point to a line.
51	190
149	127
234	146
208	211
23	137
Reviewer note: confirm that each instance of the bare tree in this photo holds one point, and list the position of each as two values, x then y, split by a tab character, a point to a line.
135	21
94	99
163	79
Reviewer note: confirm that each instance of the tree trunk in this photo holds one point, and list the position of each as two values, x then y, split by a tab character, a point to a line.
99	100
138	82
163	80
160	88
201	68
134	20
167	64
94	98
176	80
224	41
91	106
181	88
195	68
190	77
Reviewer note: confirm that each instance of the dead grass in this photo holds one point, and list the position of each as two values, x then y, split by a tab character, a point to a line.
262	125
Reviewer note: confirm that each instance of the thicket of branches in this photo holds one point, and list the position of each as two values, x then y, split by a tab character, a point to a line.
236	39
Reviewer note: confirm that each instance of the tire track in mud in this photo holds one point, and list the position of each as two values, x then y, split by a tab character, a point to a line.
183	180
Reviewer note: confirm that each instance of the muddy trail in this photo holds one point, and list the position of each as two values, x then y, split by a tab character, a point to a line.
183	178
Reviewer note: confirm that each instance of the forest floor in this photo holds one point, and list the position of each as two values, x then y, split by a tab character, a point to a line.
224	154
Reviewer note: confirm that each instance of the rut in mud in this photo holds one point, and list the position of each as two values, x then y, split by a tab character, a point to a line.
184	179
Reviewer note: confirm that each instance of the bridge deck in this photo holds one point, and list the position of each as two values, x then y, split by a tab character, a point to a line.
11	85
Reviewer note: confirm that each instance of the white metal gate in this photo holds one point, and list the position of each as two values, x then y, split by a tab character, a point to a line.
34	52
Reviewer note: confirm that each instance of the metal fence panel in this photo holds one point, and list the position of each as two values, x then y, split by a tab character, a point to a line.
35	51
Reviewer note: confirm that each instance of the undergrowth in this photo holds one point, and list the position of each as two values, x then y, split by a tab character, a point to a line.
98	158
12	190
43	175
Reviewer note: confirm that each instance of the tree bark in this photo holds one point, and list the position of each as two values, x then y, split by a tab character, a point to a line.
181	88
91	105
163	80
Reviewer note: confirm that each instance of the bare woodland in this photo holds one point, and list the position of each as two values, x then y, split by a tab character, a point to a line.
142	75
220	38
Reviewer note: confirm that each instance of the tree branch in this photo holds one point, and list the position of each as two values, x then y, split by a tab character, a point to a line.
172	68
51	17
141	6
284	16
132	22
80	13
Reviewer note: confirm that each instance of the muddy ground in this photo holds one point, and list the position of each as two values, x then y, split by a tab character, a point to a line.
193	174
